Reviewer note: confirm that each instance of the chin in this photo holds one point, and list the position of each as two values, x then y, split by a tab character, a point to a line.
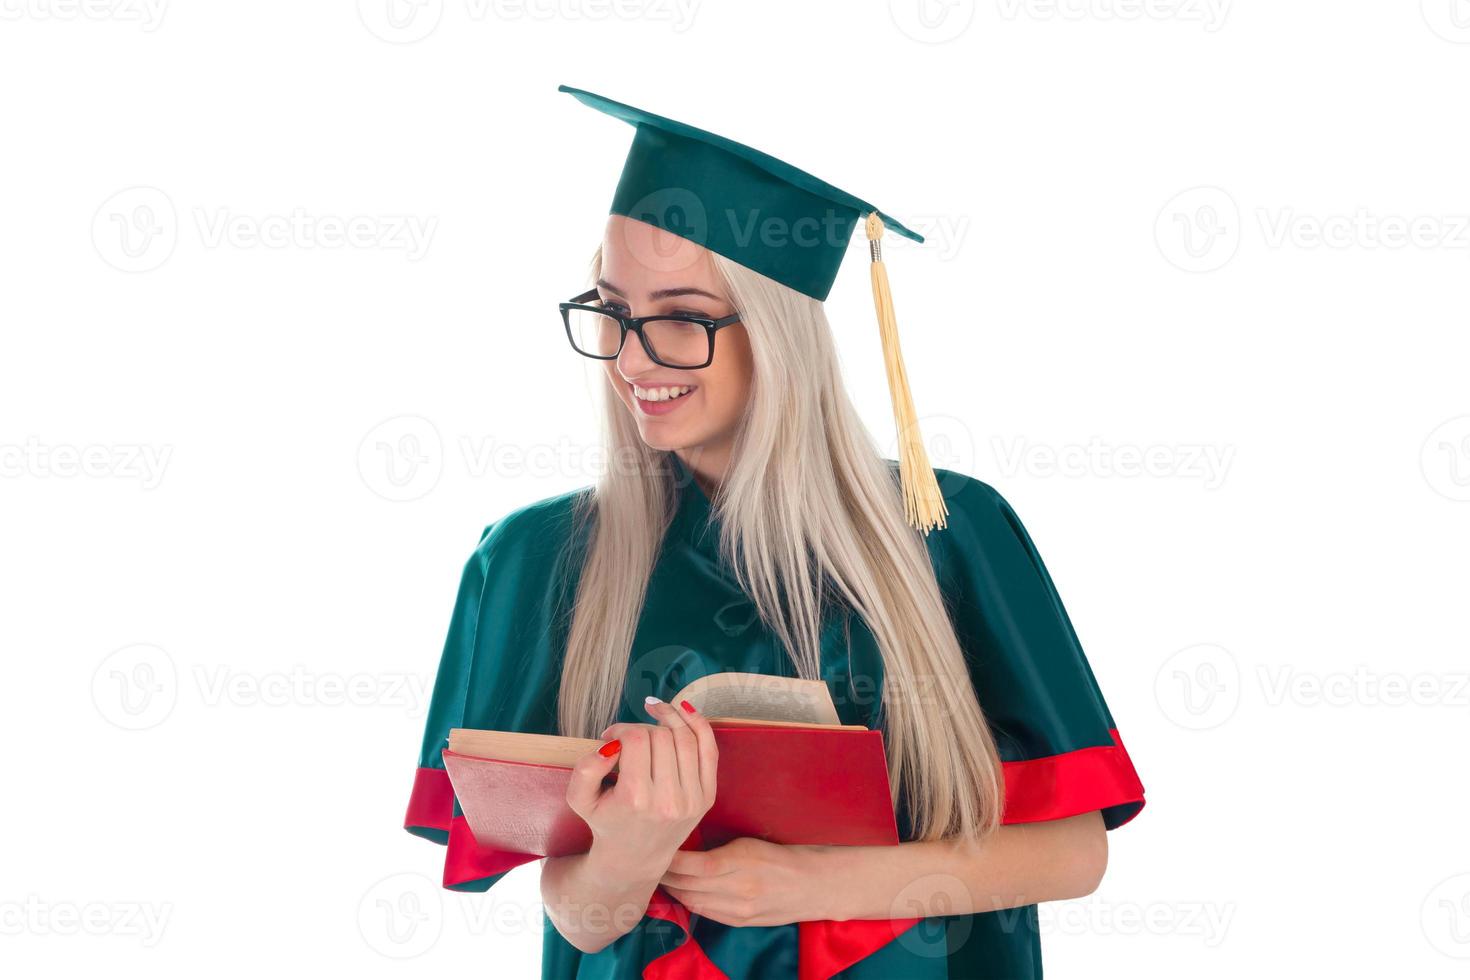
656	437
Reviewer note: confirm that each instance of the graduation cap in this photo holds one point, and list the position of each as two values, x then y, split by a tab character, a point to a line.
777	220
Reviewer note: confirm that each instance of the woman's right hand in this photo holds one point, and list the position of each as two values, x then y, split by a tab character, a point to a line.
665	784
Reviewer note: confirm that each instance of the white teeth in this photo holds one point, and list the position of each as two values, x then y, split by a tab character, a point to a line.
660	394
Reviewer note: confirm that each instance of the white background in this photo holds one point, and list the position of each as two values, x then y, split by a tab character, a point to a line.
244	462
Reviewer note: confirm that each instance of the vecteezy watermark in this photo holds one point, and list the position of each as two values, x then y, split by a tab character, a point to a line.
221	685
1361	686
34	916
402	916
1445	917
1445	459
1209	14
408	21
932	21
1198	688
1202	686
944	235
1095	916
147	14
400	21
137	230
138	687
403	458
119	461
1206	463
1450	19
1198	230
300	229
1363	229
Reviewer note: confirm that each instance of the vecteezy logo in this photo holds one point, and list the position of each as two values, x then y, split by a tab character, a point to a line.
135	230
932	21
1445	459
401	459
677	210
949	442
400	21
1199	229
1198	687
401	916
1450	19
1445	917
136	687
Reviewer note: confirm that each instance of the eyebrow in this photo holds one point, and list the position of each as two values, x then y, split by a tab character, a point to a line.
663	293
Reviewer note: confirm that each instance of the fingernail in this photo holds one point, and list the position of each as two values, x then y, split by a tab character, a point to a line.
687	706
610	749
652	700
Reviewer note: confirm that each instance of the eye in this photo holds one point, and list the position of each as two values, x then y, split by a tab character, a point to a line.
697	313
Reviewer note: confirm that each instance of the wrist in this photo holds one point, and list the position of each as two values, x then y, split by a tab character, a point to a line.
814	862
610	871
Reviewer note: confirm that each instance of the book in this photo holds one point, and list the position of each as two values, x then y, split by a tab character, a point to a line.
789	772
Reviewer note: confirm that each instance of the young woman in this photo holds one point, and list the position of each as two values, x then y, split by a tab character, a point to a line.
746	522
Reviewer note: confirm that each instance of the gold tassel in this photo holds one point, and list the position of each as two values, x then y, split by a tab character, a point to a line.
923	504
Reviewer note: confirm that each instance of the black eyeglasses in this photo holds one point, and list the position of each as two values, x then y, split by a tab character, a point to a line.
672	340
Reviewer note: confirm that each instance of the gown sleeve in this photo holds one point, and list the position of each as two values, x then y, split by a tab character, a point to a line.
499	670
1060	749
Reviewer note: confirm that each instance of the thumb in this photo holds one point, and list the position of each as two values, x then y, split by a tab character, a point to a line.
586	783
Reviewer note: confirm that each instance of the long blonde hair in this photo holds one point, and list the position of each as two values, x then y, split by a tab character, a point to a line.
808	507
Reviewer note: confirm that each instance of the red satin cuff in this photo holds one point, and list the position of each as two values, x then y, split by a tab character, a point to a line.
1070	783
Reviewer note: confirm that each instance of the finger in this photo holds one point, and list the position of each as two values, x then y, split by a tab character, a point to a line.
693	883
634	774
585	786
686	747
724	909
702	864
663	761
709	751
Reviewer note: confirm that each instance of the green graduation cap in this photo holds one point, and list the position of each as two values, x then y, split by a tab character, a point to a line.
777	220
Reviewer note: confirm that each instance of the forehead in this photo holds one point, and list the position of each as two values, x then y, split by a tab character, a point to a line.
641	258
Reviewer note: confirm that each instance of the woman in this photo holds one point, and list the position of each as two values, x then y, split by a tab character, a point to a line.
745	522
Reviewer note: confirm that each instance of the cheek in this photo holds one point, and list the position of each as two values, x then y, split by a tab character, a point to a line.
610	370
729	384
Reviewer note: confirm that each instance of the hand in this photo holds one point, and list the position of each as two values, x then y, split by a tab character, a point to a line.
749	882
666	783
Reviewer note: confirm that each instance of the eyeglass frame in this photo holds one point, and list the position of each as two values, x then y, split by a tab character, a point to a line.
635	325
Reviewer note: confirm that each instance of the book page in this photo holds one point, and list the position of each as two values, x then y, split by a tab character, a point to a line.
761	697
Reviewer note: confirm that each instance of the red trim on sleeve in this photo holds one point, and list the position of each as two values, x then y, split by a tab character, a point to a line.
468	861
1070	783
431	804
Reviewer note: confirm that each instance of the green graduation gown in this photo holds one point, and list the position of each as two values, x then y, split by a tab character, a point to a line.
501	669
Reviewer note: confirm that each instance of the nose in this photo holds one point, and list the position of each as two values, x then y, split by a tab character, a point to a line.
633	360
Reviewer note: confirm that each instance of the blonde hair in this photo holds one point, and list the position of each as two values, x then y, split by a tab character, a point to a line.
807	508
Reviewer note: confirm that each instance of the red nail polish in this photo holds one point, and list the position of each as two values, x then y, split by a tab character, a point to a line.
687	706
610	749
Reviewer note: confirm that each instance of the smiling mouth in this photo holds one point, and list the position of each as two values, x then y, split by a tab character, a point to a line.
659	399
661	393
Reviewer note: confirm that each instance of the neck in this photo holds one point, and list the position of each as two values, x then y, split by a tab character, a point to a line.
708	464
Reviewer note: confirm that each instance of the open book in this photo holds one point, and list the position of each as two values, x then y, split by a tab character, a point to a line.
789	772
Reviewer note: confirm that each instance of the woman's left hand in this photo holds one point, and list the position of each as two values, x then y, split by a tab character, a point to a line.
749	882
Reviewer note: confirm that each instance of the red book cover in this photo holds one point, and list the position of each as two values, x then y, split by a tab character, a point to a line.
781	784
